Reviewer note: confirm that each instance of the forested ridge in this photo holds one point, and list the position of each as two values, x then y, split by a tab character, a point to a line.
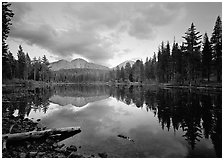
196	60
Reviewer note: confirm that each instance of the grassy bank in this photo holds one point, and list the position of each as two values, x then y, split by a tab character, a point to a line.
201	86
24	83
39	84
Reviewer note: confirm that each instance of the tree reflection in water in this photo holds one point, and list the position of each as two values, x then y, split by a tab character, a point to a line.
198	114
24	100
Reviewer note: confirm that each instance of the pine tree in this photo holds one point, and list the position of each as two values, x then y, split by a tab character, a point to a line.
118	73
122	74
153	67
21	63
206	57
216	42
163	63
39	70
11	66
112	75
35	68
147	69
192	46
142	72
127	71
167	62
159	66
45	69
174	60
7	15
136	71
176	63
45	60
28	66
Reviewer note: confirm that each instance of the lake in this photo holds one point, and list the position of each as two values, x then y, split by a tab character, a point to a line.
150	121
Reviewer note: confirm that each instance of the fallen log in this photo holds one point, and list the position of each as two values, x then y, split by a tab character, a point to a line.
39	134
125	137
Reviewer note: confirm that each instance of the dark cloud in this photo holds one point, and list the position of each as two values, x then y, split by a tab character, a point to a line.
141	30
88	20
152	15
20	10
63	44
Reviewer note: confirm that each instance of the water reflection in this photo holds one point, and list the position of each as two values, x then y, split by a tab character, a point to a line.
78	95
197	114
192	116
25	100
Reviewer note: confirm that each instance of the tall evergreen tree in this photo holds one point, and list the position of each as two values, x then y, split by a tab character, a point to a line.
39	70
28	67
45	72
35	68
142	72
163	62
21	63
174	60
11	66
159	66
112	75
192	46
7	15
127	71
176	63
118	73
147	69
167	62
153	67
137	71
206	57
216	41
122	74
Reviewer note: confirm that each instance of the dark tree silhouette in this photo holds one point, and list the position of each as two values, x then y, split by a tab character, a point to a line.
216	41
206	58
192	46
127	71
7	15
21	63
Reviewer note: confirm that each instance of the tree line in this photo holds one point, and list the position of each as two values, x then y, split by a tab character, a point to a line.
25	68
192	62
80	75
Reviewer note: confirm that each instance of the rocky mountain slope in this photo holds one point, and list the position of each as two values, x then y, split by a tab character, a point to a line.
76	63
82	64
123	64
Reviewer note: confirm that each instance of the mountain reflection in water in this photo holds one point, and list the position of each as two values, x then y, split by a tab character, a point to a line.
162	122
78	96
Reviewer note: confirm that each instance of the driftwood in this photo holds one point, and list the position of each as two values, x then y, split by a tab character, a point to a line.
39	134
125	137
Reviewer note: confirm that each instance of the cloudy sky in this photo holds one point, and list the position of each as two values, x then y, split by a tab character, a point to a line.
105	33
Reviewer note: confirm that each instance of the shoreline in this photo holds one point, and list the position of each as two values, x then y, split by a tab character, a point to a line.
36	84
45	147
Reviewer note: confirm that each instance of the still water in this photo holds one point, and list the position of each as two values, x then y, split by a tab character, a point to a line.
161	122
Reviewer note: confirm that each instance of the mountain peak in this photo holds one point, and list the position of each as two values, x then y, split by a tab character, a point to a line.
78	59
123	64
76	63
